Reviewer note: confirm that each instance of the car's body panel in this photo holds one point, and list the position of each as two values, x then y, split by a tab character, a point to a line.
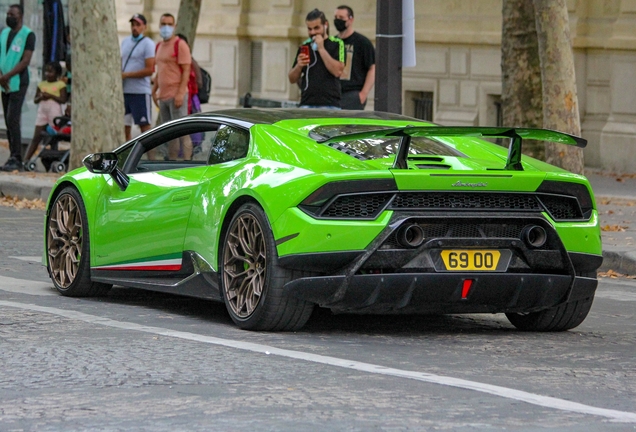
165	229
148	219
581	237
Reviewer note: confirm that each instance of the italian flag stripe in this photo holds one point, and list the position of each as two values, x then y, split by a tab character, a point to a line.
159	265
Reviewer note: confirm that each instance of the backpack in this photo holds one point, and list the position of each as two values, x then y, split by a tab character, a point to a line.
193	89
204	91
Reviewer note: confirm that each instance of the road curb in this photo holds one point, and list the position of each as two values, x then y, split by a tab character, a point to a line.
25	189
623	262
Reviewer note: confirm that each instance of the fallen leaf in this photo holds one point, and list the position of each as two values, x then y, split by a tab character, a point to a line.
615	275
617	228
19	204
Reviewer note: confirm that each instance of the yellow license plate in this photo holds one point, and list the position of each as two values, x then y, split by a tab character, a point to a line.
471	259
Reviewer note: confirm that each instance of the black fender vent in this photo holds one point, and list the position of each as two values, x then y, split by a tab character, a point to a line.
562	207
364	206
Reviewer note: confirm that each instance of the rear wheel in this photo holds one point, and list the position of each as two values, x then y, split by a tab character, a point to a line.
559	318
67	247
251	280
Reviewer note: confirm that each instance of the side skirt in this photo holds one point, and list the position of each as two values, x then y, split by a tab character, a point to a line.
195	279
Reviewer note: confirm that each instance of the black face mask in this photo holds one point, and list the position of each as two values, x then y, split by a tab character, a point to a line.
12	22
341	25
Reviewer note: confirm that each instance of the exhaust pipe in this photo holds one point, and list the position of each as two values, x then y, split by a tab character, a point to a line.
410	236
534	236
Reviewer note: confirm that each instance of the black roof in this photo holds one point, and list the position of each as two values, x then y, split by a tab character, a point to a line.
273	115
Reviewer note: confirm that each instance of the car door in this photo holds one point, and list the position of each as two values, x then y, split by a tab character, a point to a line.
143	227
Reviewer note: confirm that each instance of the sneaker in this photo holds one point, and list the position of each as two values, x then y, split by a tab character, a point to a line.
12	165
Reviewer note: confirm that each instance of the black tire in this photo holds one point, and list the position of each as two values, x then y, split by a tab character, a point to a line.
559	318
251	280
68	247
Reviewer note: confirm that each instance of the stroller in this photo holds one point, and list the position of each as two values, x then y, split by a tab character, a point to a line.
53	158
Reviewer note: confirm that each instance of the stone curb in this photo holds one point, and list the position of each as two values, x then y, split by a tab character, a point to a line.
23	188
623	262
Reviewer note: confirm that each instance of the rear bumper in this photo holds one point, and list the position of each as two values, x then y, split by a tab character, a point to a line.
388	277
441	292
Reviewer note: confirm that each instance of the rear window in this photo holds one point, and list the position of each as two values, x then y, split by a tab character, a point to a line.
378	148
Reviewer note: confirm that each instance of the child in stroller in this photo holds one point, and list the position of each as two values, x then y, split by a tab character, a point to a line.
50	96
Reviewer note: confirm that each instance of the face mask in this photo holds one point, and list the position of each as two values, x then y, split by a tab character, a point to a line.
314	46
12	22
166	31
138	37
341	25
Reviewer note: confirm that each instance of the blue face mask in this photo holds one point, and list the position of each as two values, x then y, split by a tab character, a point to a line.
138	38
314	46
166	31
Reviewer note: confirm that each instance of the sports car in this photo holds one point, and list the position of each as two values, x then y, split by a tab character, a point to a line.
275	212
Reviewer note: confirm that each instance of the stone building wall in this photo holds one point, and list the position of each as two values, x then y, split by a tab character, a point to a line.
249	45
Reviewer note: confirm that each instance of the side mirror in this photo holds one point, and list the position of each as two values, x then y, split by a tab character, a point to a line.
106	163
101	163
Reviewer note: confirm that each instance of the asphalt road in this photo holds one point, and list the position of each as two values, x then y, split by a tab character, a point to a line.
136	360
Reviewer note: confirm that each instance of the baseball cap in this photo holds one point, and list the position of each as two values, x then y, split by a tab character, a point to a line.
139	18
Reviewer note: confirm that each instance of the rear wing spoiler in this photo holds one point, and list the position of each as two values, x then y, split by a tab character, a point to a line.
516	135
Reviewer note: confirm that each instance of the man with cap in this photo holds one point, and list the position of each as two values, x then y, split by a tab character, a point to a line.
137	65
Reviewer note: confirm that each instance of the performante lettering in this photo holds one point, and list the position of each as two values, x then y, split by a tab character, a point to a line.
472	185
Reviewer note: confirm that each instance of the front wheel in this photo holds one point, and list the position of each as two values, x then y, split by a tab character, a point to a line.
559	318
251	280
67	247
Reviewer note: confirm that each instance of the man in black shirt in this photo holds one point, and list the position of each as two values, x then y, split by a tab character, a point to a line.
318	65
358	77
17	43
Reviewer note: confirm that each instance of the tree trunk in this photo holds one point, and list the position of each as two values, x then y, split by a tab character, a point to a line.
98	101
521	72
188	19
560	102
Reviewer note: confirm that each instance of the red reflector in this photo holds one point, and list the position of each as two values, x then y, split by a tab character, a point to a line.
468	283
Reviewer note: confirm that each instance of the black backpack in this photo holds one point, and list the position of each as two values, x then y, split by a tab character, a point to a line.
204	90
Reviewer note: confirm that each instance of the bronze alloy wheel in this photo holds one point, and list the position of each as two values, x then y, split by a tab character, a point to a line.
64	240
244	270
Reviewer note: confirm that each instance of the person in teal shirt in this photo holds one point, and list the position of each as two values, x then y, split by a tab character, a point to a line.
17	43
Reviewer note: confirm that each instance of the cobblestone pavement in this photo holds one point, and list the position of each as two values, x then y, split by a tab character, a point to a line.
61	374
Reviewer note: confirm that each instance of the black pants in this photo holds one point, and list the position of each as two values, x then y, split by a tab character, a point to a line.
12	106
351	101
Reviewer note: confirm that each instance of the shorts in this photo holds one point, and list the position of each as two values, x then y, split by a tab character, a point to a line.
137	108
47	111
168	111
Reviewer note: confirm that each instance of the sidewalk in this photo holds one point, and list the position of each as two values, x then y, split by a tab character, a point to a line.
615	197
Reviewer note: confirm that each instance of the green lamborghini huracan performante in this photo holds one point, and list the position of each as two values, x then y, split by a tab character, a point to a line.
276	211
